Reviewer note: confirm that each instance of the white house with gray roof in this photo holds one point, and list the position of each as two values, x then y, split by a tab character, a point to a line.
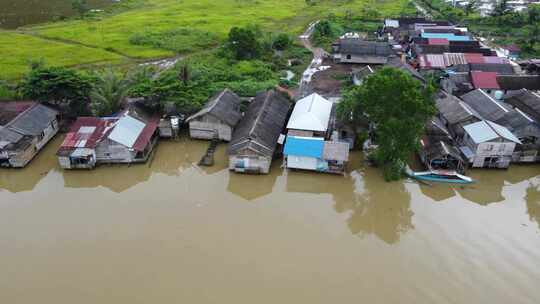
488	145
25	128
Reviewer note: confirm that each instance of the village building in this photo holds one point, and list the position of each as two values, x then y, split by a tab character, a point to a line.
526	101
455	114
488	145
356	50
312	142
438	154
127	138
25	128
255	139
520	124
509	83
218	118
437	148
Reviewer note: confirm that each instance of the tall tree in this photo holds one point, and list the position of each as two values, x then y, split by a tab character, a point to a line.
244	44
398	106
501	8
109	92
64	87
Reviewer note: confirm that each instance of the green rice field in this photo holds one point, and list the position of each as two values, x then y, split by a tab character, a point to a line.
111	38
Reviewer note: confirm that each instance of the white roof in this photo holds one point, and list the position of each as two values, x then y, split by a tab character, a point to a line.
391	23
484	131
311	113
126	131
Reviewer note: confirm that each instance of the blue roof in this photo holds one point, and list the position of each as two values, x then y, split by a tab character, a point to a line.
304	146
449	36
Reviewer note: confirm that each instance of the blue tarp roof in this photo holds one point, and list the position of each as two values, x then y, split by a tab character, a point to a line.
304	146
449	36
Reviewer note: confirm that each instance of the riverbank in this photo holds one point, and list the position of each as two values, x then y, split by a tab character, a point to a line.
108	39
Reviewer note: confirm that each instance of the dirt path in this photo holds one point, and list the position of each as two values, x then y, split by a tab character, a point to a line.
318	55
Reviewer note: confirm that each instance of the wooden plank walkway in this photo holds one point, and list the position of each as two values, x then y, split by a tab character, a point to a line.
208	158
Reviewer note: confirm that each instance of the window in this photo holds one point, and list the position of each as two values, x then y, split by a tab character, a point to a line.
349	57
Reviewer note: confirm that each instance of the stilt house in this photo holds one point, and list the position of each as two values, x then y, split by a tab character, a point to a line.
217	118
25	128
311	143
255	139
127	138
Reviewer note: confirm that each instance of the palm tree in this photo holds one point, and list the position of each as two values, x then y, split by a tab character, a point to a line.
110	90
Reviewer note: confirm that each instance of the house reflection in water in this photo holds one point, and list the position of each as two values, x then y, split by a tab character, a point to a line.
375	207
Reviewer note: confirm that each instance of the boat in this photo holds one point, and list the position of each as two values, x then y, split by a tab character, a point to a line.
439	176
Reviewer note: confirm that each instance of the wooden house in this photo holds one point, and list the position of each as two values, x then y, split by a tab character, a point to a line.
127	138
356	50
488	145
438	150
455	114
520	124
311	142
526	101
217	118
25	128
255	139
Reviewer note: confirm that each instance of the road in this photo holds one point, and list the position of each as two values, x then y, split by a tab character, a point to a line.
318	55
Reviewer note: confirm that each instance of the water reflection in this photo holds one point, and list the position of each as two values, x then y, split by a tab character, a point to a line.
384	213
251	187
171	158
533	201
373	206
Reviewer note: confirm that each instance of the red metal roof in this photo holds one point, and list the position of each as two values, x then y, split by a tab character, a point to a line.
484	80
438	41
86	132
146	134
474	58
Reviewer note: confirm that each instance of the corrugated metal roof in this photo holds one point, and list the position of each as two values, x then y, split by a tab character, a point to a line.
454	58
449	37
484	131
438	41
484	80
311	113
432	61
474	58
304	146
86	132
126	131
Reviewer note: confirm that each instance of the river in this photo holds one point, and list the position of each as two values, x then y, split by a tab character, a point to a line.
171	232
15	13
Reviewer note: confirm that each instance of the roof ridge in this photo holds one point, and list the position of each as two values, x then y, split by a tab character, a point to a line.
260	113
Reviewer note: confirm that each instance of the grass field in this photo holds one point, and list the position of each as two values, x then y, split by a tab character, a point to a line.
108	39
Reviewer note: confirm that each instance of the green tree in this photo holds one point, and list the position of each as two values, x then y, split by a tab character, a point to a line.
398	106
282	41
109	92
470	7
64	87
533	14
80	6
243	43
501	8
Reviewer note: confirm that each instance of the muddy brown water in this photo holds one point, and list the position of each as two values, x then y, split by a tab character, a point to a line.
15	13
171	232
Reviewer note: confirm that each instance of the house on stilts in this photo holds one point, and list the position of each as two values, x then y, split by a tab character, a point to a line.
255	140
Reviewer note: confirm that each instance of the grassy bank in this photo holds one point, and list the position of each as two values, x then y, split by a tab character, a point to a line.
128	34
